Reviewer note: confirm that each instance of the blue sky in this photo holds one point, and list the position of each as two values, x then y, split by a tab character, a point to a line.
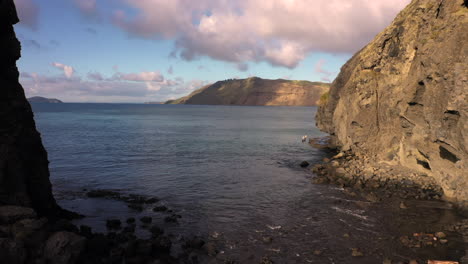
155	50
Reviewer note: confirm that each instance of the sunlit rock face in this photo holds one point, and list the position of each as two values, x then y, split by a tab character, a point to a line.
24	173
402	99
257	91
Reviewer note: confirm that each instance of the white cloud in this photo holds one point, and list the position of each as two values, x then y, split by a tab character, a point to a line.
67	70
280	32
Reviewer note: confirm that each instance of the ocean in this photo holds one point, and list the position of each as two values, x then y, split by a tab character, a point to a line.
231	172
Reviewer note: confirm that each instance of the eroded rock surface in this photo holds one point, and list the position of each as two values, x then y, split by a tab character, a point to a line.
24	172
402	99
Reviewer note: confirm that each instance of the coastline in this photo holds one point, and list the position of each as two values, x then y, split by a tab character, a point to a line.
385	185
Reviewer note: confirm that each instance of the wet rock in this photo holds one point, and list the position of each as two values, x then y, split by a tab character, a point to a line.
98	245
387	261
440	235
318	252
340	172
338	156
86	231
161	244
371	197
129	229
356	252
10	214
320	180
194	243
103	194
266	260
11	251
443	241
403	205
26	227
304	164
113	224
210	249
151	200
136	199
156	231
161	208
146	219
136	207
64	225
64	248
413	262
267	240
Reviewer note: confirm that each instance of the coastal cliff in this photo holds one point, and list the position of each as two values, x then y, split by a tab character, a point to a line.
256	91
401	102
24	172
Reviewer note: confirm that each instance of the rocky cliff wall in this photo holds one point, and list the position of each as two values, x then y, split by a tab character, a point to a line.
24	173
402	99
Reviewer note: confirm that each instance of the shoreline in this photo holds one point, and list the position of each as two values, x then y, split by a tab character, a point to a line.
386	184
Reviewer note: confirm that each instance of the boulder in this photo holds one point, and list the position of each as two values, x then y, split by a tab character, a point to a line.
12	252
64	248
10	214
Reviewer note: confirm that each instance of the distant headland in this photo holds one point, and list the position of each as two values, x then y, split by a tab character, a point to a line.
39	99
257	91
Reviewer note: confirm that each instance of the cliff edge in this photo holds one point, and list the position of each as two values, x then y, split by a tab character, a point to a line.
24	172
256	91
402	100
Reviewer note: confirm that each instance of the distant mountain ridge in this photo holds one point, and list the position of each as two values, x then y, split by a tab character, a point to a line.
39	99
256	91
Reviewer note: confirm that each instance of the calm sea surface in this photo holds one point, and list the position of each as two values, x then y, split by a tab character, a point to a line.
231	172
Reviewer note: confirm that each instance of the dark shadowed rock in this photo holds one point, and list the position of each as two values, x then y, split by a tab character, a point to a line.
11	214
161	208
64	248
146	219
11	251
304	164
113	224
24	172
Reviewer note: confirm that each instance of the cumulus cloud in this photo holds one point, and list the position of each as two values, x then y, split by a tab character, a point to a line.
28	13
67	70
280	32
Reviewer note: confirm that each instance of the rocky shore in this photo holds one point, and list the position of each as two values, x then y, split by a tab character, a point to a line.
396	187
26	237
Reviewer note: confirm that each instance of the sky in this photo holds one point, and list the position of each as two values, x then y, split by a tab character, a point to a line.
138	51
